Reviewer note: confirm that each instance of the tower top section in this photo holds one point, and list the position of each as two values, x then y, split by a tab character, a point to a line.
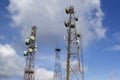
58	49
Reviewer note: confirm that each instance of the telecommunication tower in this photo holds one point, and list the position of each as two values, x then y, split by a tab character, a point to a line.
29	72
73	64
57	71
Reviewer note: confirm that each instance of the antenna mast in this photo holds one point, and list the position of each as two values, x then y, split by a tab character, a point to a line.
57	71
73	66
29	72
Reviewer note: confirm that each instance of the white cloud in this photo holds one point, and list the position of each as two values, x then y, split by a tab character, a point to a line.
116	47
6	50
116	36
2	37
114	75
11	64
49	16
116	39
43	74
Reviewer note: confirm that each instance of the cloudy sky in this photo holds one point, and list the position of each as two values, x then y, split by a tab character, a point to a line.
98	24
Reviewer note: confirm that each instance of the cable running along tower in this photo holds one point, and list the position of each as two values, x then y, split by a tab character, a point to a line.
73	65
57	71
29	72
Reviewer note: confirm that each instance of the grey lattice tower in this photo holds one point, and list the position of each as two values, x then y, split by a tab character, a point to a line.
29	72
73	66
57	71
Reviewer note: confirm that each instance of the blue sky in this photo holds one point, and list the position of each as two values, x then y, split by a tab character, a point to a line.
100	34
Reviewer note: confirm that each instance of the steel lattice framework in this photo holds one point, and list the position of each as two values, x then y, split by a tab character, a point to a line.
73	66
29	72
57	71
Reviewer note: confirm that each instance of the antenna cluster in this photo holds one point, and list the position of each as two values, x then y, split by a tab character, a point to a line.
74	66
